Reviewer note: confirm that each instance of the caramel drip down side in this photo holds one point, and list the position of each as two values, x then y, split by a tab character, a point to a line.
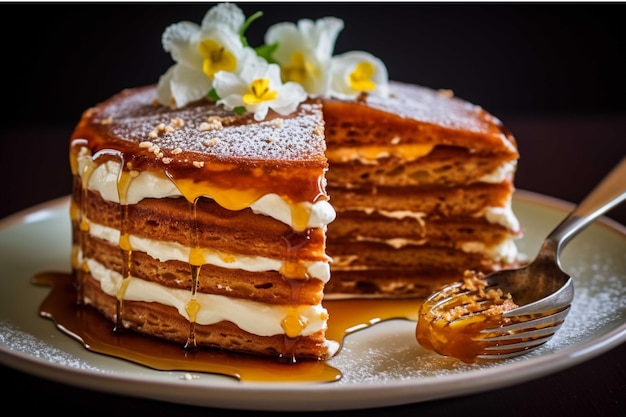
123	182
295	273
195	261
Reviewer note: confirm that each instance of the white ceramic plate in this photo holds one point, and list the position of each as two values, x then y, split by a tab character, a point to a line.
382	365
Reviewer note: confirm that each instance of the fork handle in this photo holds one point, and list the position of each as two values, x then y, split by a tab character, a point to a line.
610	192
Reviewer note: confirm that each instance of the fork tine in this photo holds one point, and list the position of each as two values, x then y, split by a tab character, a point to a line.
546	331
501	352
556	318
443	301
522	345
444	296
517	339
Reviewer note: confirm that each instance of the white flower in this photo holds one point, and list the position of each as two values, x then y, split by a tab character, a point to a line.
257	87
215	56
304	51
200	52
358	72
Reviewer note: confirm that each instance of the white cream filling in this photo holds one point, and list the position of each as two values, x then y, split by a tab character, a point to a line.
104	179
502	216
505	252
253	317
169	251
500	174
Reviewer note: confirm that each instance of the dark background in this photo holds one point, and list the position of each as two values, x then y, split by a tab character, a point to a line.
509	58
527	63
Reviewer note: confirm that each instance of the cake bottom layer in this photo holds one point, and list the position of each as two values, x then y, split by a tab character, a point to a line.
164	322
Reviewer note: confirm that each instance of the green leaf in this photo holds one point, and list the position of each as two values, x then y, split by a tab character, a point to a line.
213	94
245	26
239	110
266	52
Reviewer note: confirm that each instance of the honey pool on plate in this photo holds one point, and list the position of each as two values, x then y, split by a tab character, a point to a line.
87	326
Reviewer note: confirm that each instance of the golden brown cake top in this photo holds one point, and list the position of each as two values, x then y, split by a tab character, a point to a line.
437	107
204	132
413	114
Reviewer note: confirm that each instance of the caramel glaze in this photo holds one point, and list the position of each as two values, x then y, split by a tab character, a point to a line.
206	152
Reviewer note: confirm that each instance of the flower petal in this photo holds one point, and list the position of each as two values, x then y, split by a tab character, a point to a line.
164	90
225	15
231	89
344	68
289	98
321	35
188	84
304	51
176	40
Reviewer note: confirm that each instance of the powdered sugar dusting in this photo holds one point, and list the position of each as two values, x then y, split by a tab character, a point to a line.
438	108
213	132
20	341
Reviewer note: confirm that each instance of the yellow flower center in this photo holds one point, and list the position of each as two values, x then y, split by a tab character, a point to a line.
259	92
298	69
216	58
361	77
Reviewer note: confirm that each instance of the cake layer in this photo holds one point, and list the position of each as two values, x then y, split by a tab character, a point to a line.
104	175
224	231
205	132
420	259
398	229
442	165
472	201
267	286
162	320
386	283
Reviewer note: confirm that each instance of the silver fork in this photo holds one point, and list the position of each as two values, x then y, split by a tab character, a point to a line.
542	291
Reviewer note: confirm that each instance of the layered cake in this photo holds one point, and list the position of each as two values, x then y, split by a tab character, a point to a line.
221	206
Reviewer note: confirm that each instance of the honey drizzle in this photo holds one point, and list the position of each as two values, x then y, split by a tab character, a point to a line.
295	274
123	183
196	259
